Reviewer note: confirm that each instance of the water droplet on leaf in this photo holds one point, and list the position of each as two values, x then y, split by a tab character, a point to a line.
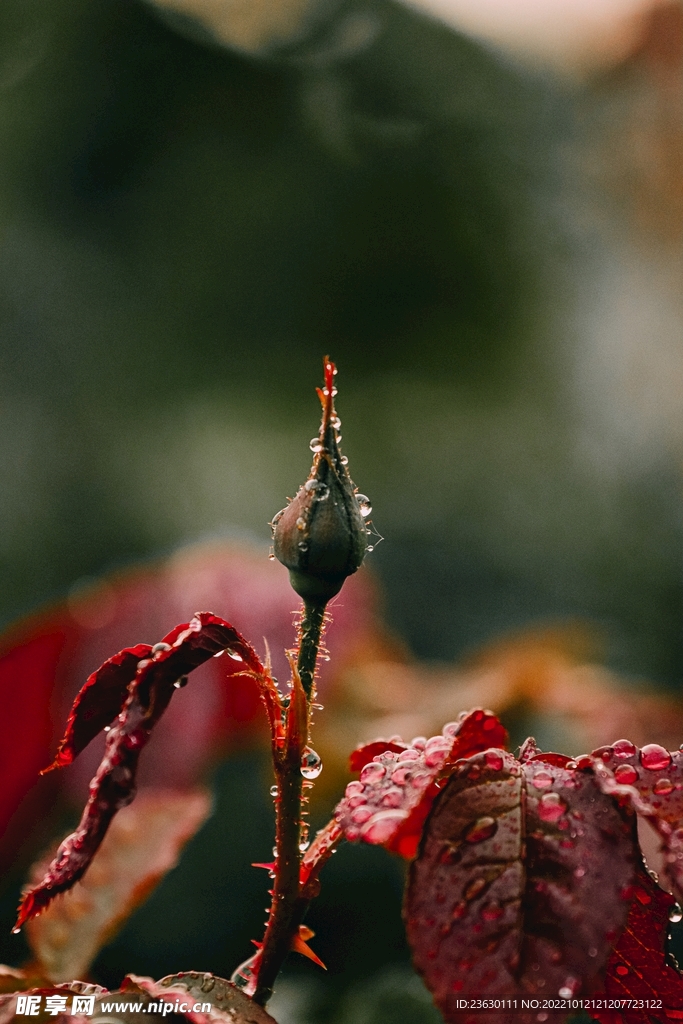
550	807
655	758
625	774
483	828
623	748
372	772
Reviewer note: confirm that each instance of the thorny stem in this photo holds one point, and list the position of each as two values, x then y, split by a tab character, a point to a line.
289	898
309	644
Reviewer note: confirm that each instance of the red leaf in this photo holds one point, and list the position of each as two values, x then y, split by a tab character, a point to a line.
390	803
650	780
182	650
638	968
520	885
98	702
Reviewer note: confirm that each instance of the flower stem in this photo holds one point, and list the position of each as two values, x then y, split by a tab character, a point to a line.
289	901
309	644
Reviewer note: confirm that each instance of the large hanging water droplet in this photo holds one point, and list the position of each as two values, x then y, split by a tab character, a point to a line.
311	765
676	914
364	505
233	654
315	444
482	828
245	977
655	758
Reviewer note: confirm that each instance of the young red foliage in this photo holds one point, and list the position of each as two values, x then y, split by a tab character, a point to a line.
390	803
182	650
520	885
638	967
98	702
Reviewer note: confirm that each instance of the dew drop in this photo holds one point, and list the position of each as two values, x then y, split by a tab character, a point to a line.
494	760
382	826
625	774
542	780
474	888
550	807
179	683
592	951
233	654
354	789
393	797
663	787
364	505
316	445
408	755
361	814
436	751
301	523
491	912
623	748
400	776
311	765
274	791
370	547
418	742
482	828
655	758
373	772
459	910
622	970
302	546
208	983
107	728
219	654
421	780
344	460
277	517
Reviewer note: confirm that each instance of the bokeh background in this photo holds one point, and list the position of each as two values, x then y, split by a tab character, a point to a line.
477	210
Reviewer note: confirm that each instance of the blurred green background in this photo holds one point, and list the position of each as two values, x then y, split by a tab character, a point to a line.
185	230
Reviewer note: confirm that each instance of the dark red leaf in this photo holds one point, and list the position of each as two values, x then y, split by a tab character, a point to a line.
182	650
389	804
650	780
228	1003
638	967
99	702
359	757
521	884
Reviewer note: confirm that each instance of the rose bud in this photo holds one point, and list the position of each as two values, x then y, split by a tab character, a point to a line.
321	536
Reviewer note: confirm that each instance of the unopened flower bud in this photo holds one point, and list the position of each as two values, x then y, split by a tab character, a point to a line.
321	536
